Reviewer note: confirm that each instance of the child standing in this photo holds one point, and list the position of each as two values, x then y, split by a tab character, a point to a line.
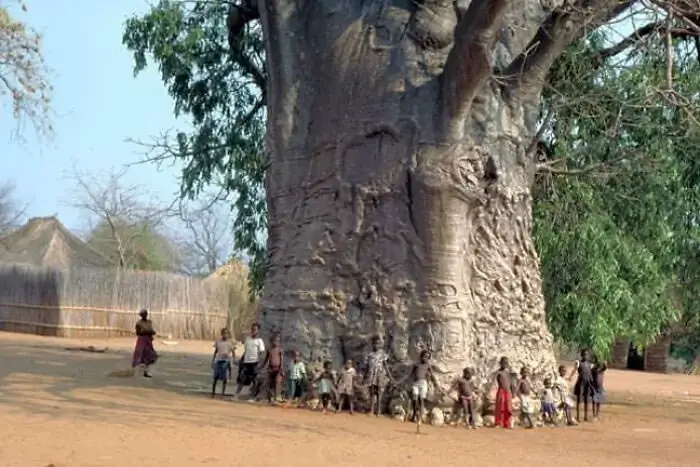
326	386
549	409
562	387
297	378
504	397
583	388
346	386
465	394
253	349
273	362
525	396
598	374
376	375
421	373
221	361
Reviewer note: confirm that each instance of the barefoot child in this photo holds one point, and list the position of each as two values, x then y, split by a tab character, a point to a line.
346	387
525	396
221	361
297	379
598	374
465	397
326	386
562	388
583	388
504	397
253	349
273	362
549	408
376	375
421	373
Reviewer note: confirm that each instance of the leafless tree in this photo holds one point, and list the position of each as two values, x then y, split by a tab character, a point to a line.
208	240
11	211
125	213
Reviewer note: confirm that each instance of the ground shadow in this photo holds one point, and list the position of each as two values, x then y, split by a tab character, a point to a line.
53	381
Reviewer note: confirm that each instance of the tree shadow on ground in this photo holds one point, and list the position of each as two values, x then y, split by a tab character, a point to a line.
51	381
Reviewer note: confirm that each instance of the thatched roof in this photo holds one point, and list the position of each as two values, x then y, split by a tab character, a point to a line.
232	270
44	241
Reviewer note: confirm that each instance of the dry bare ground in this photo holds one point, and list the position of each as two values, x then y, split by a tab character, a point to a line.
60	408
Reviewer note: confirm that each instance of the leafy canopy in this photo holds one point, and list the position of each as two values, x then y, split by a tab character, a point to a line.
614	201
217	88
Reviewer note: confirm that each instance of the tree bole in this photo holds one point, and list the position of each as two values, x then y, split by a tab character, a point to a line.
389	215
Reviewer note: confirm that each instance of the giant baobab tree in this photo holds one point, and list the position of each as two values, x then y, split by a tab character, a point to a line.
401	141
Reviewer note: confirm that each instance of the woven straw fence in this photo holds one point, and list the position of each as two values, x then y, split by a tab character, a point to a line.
105	302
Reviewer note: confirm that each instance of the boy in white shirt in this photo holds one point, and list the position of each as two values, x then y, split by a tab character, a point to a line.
253	350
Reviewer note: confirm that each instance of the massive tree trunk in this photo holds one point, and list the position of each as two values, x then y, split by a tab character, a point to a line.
399	186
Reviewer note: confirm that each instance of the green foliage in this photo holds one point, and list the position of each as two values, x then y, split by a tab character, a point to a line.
615	216
614	204
218	89
141	246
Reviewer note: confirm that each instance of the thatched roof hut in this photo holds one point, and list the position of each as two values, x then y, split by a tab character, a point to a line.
45	241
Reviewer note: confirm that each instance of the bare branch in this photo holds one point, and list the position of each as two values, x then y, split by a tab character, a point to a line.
23	71
122	210
11	212
469	63
526	73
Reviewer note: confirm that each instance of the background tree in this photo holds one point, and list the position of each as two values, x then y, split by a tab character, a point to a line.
220	85
12	213
206	243
127	227
23	73
411	223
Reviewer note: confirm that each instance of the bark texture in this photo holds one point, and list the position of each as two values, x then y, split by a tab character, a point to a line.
399	182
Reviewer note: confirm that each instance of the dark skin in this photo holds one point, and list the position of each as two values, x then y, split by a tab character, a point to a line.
420	370
525	390
375	392
327	374
254	330
585	396
275	374
567	409
599	371
346	397
465	390
503	375
225	335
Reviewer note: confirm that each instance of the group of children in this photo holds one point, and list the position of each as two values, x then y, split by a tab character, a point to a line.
588	389
340	388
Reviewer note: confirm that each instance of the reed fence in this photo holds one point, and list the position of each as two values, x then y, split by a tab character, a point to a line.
83	302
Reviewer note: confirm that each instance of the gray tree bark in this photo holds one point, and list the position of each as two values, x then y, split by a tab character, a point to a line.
400	175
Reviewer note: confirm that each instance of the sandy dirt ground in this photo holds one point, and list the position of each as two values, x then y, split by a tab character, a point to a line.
59	408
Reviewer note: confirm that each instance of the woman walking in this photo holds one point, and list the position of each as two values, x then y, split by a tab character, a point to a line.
144	353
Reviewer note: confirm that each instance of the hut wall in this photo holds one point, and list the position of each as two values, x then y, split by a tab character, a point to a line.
656	356
105	302
620	352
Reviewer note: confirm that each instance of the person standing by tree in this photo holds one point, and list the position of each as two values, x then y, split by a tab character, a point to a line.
376	375
253	349
504	396
144	352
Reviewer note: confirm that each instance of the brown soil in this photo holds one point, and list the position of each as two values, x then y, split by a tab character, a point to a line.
59	407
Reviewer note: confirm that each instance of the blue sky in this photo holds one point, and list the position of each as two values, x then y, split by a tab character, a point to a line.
99	104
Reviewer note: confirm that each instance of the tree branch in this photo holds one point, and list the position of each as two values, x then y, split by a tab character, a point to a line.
639	34
526	73
238	17
469	63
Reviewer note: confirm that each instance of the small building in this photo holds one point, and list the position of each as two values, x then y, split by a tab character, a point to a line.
652	358
45	241
53	283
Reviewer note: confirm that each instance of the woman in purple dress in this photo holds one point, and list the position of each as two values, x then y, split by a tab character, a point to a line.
144	353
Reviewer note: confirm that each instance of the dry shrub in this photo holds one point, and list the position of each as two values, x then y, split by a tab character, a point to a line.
242	312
